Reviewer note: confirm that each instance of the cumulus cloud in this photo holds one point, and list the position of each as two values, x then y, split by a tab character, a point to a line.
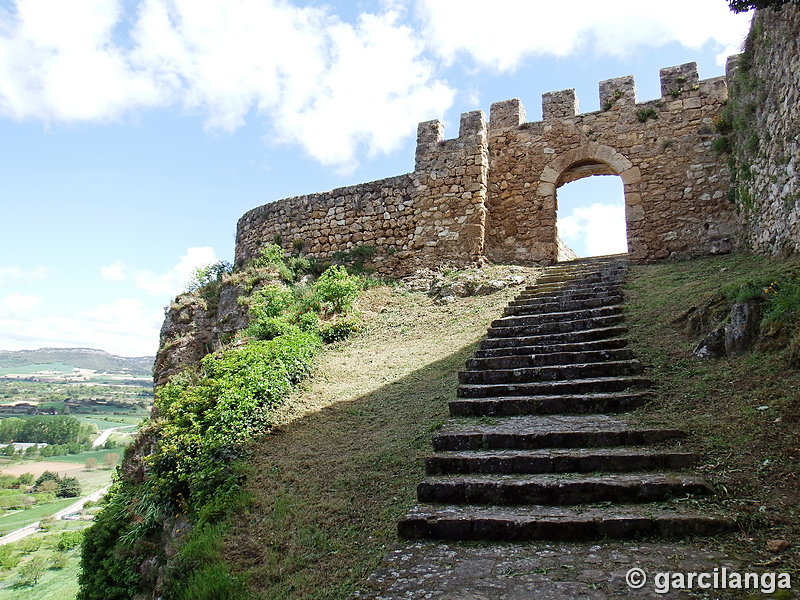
503	35
174	280
15	274
330	86
123	326
595	230
115	272
18	305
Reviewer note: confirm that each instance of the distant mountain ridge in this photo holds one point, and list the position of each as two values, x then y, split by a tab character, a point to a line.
82	358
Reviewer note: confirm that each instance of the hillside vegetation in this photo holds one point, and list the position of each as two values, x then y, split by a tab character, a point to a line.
308	510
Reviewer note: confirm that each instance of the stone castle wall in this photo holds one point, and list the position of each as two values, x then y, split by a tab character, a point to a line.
767	150
491	192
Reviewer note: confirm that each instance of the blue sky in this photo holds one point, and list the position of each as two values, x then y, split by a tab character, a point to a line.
135	133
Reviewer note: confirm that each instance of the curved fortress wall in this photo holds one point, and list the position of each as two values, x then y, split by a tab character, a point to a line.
491	192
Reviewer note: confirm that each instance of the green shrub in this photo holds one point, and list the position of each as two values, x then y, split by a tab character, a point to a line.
338	329
270	328
270	301
783	300
69	540
336	289
57	562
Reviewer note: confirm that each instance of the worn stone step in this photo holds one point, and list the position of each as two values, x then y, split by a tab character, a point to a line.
559	489
552	373
572	315
517	524
562	296
555	327
555	280
553	388
536	432
563	305
522	361
582	460
615	402
588	346
546	339
582	287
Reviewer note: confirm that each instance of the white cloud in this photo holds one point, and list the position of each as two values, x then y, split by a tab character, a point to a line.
501	36
15	305
173	281
123	327
595	230
329	86
115	272
15	274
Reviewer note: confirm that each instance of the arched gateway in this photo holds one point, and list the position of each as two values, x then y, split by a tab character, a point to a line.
491	192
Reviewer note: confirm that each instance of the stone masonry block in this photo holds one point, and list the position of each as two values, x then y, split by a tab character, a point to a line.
682	78
559	105
507	113
472	123
620	91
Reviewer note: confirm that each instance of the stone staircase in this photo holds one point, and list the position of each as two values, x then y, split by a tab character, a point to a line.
533	450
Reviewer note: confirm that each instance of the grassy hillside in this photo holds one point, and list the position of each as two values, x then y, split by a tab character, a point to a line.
81	358
326	488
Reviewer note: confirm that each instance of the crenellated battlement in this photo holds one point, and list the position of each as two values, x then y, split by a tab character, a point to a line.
678	82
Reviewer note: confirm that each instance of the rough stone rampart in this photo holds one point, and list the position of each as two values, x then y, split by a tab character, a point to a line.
766	123
491	192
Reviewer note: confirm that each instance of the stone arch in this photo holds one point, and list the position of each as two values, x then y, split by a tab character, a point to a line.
597	159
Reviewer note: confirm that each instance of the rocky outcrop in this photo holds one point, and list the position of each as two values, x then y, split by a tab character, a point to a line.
194	326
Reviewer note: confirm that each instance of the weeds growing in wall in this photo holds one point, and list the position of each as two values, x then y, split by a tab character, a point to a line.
163	520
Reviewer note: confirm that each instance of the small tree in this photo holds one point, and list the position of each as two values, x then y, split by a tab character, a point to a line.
9	450
32	571
110	460
47	486
69	487
25	479
46	476
91	464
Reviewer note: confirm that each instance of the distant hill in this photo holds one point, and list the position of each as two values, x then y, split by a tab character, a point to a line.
82	358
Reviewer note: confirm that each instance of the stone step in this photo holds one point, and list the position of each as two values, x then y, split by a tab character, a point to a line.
581	460
555	327
567	290
559	489
547	339
591	346
572	315
567	278
517	524
537	432
566	372
552	297
553	388
522	361
615	402
564	305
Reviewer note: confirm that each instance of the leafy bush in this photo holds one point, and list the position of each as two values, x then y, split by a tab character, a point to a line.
69	540
336	289
338	329
69	487
270	328
783	300
270	301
